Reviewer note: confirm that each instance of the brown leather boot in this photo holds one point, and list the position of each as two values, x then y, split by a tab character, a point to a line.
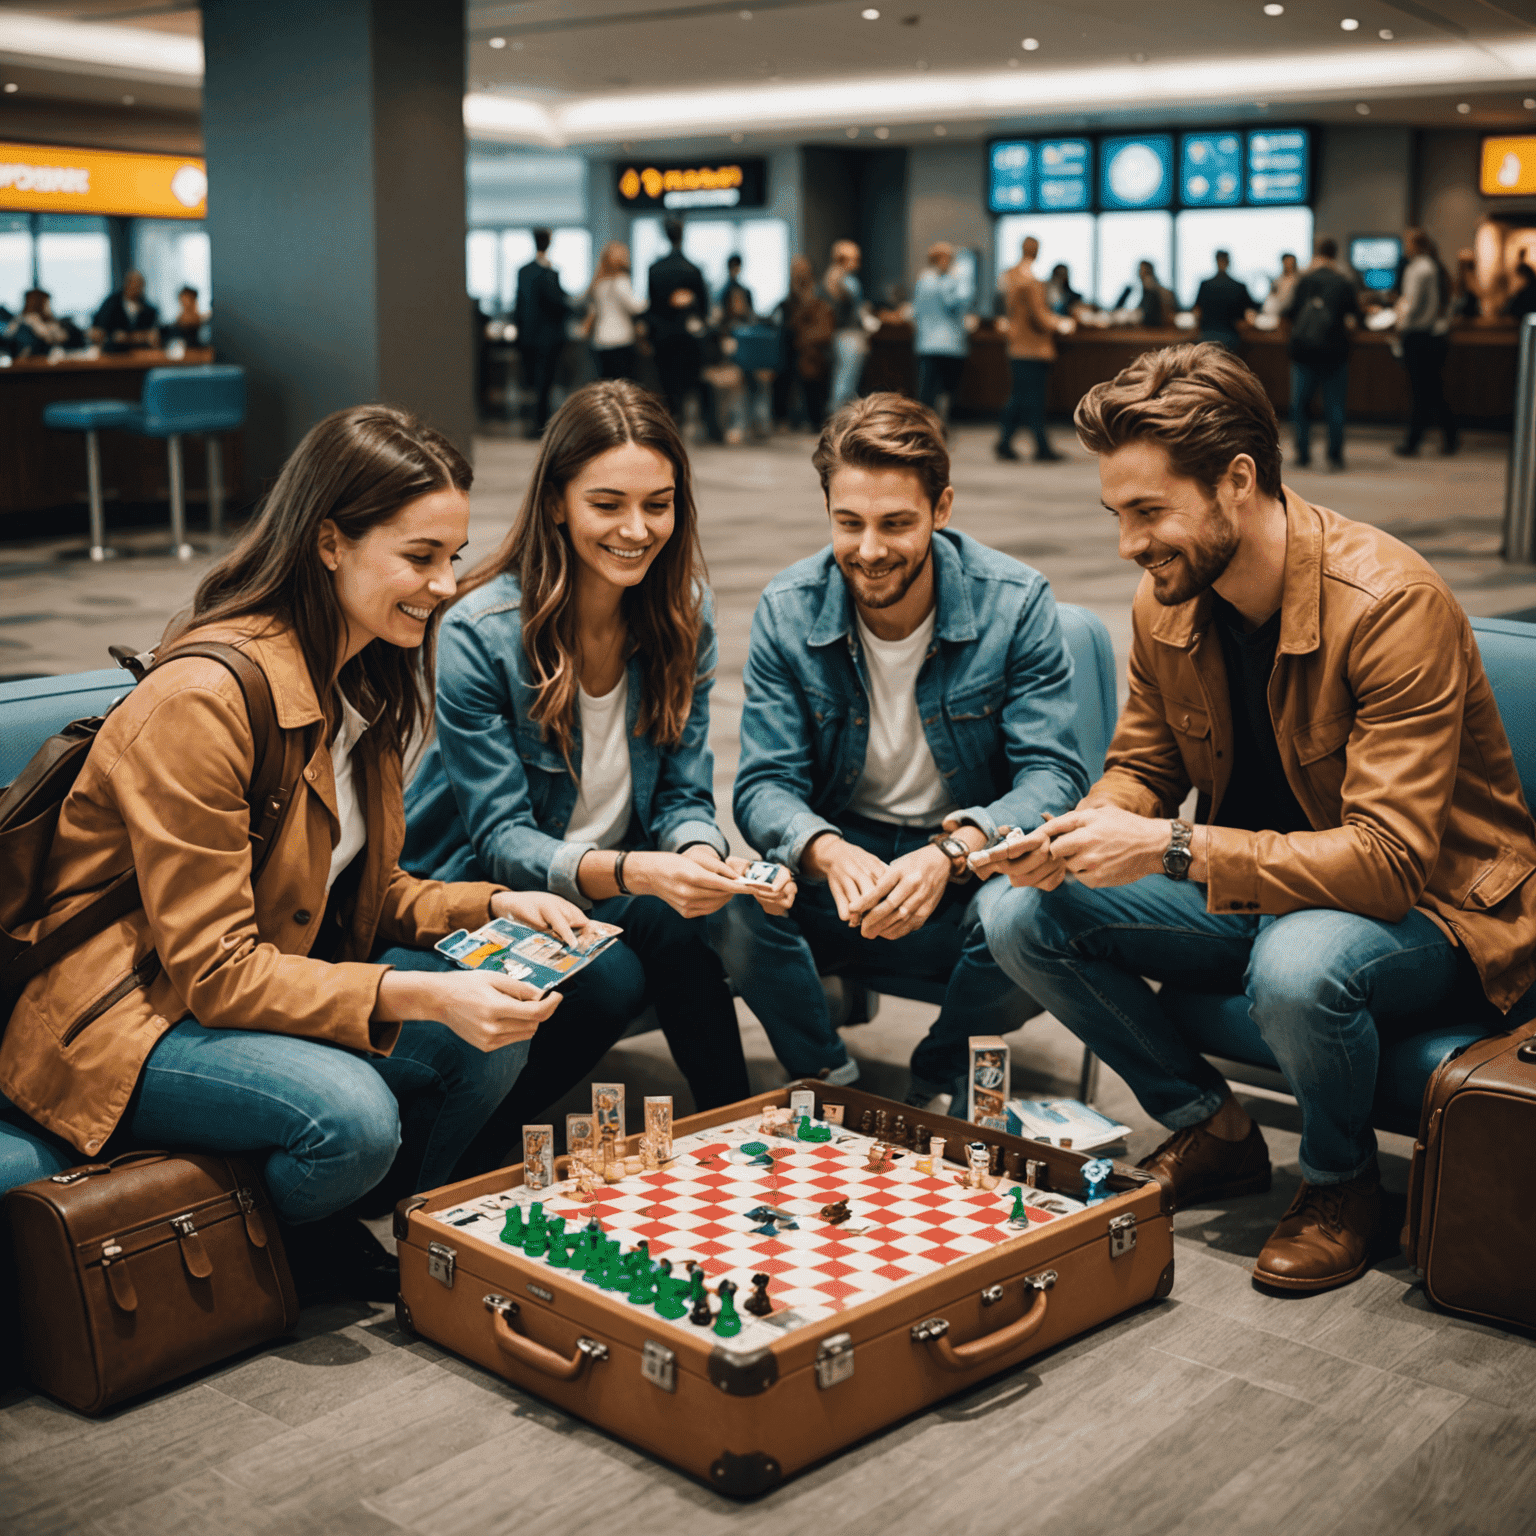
1203	1167
1326	1238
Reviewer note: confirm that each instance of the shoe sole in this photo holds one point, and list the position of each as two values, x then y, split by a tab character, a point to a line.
1255	1184
1294	1286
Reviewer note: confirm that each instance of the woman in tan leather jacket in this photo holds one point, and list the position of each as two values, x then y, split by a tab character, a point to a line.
307	1016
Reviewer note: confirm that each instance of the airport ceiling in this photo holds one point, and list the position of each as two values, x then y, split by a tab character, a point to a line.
607	72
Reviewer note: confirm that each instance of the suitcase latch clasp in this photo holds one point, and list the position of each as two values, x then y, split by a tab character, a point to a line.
1122	1235
834	1360
440	1261
658	1365
184	1225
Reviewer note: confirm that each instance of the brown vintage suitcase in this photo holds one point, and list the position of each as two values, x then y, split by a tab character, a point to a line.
744	1413
1471	1230
137	1271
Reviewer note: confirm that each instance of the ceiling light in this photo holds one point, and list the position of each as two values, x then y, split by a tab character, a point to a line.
1274	10
1030	44
922	64
870	14
852	133
498	42
1138	58
1529	103
127	52
127	101
11	87
1463	107
1362	109
1386	34
1349	24
1013	63
882	133
745	15
939	130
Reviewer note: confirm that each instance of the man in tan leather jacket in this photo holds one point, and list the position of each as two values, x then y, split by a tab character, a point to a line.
1360	837
1032	330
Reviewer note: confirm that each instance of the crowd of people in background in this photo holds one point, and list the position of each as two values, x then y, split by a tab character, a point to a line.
125	321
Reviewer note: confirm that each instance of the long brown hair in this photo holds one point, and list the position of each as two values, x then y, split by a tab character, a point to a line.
358	467
663	614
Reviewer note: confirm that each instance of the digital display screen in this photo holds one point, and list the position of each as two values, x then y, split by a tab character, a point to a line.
1063	168
1279	169
1509	166
1013	177
1210	170
1376	258
1136	172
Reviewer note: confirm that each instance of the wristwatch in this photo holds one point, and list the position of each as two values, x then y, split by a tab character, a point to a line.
956	851
1177	856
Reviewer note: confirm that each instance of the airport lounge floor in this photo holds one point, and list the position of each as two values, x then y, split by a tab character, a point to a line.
1223	1410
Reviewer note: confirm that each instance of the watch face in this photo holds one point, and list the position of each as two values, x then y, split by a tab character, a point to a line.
1176	862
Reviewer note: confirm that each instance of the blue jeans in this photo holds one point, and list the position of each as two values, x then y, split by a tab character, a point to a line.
332	1123
1316	983
1334	384
1026	402
775	964
849	350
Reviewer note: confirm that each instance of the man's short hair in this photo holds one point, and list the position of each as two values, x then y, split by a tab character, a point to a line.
885	431
732	261
541	239
1201	404
1326	247
1223	255
673	229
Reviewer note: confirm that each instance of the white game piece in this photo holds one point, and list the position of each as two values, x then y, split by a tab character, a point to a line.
538	1156
658	1125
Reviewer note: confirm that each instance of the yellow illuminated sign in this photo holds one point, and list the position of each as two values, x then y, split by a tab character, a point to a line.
1509	166
49	179
657	183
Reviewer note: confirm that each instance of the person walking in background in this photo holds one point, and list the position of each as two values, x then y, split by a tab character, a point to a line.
1323	306
1221	302
850	337
1424	323
734	285
1031	330
126	318
1285	285
677	321
809	324
540	312
939	304
614	307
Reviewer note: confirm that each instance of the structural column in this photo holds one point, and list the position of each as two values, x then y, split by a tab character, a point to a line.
335	144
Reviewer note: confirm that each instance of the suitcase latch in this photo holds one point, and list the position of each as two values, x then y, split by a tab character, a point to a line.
1122	1235
658	1365
834	1360
184	1225
440	1262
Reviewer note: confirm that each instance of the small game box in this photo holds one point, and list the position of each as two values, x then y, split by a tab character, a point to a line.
784	1285
524	953
988	1083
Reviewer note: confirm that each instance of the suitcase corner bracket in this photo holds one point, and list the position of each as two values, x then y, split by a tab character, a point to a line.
743	1375
744	1477
400	1222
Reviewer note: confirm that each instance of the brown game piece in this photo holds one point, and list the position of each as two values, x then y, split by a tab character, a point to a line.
836	1213
879	1158
882	1125
921	1139
1013	1166
995	1161
867	1121
899	1131
1035	1174
757	1303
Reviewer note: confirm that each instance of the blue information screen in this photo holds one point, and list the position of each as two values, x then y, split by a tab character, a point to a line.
1013	177
1136	172
1210	170
1375	258
1279	165
1063	172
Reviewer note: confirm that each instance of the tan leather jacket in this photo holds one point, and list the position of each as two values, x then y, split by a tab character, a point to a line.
1031	325
163	791
1390	737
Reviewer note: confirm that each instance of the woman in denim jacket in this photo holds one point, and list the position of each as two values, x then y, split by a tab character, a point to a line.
572	749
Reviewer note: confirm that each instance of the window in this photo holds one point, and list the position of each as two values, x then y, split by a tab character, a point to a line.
172	254
74	264
482	266
15	260
1256	237
1125	241
492	259
1066	239
762	244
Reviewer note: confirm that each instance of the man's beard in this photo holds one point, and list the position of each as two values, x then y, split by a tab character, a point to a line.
906	576
1198	569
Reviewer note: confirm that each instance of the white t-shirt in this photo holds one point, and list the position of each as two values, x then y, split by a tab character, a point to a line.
603	801
614	307
349	809
900	781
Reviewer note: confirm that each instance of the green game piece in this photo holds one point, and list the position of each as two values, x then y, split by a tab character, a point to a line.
640	1260
536	1215
536	1240
642	1290
728	1324
670	1293
596	1260
512	1228
809	1132
1018	1213
755	1148
558	1258
615	1277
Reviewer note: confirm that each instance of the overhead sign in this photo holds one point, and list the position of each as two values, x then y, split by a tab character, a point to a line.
1509	166
46	179
1064	169
1013	177
730	184
1210	170
1278	165
1376	258
1136	172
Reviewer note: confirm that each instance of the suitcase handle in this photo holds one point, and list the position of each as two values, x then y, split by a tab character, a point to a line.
966	1357
526	1352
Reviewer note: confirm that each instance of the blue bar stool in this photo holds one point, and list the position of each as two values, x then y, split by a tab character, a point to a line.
91	417
207	399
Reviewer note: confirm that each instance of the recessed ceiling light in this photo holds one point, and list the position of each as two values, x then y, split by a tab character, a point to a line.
498	42
852	133
869	13
11	87
1349	24
1362	109
1529	103
922	63
1386	34
1138	58
1013	63
1274	10
745	15
1463	107
1030	44
127	101
882	133
939	130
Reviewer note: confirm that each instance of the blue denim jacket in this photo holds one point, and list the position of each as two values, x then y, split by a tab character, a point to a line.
994	695
492	795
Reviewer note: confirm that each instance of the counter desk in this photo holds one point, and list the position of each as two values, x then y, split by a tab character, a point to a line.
42	470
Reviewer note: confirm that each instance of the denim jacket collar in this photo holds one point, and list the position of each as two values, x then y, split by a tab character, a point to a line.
956	619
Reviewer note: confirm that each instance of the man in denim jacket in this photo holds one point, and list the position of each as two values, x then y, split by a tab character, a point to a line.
907	694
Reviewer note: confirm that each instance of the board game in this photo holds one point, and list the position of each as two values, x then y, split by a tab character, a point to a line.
761	1298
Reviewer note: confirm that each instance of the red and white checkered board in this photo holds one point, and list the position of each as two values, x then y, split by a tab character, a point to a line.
905	1224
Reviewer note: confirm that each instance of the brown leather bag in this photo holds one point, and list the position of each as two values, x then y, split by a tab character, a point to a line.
134	1272
1471	1228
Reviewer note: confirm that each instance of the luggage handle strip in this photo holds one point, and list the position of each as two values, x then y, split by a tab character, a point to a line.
965	1357
163	1230
526	1352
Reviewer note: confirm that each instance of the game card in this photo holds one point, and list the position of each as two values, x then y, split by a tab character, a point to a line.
524	953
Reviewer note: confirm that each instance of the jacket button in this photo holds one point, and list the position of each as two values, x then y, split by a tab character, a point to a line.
92	1146
301	916
309	773
1186	720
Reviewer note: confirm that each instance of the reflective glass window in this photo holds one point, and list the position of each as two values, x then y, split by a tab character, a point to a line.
1125	241
1065	238
75	266
15	260
1255	237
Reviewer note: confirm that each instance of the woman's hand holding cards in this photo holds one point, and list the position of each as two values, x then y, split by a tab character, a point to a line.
541	909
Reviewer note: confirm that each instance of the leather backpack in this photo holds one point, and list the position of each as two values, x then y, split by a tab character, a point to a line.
29	816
